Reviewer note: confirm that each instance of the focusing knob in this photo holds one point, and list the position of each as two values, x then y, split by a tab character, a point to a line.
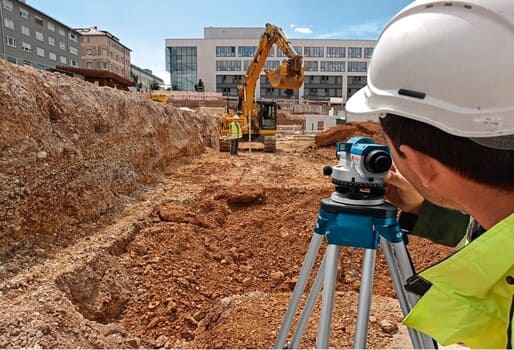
327	170
378	161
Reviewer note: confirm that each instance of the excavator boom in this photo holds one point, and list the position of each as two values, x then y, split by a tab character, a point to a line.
258	120
288	75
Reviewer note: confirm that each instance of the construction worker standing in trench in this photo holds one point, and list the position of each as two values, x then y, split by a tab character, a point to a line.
450	127
235	135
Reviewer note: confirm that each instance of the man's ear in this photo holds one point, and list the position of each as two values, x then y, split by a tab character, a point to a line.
427	168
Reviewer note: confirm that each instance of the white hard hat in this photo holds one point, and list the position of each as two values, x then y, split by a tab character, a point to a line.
236	117
449	64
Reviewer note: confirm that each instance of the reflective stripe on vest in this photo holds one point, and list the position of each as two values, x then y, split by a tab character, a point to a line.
471	293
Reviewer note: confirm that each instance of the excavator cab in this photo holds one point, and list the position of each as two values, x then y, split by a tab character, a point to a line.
267	115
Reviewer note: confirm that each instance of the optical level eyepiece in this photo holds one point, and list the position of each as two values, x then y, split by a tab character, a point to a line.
378	161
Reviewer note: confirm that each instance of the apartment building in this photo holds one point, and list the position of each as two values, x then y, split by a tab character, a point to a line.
30	37
145	78
100	50
333	67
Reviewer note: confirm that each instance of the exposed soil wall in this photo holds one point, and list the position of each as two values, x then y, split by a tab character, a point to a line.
71	152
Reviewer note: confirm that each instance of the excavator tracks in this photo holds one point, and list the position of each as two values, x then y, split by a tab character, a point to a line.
270	145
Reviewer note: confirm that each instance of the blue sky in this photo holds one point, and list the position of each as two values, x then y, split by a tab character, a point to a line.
143	26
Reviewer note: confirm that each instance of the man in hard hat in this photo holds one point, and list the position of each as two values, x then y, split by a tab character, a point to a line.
235	135
441	79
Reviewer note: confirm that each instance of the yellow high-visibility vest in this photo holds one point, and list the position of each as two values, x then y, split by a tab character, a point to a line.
235	130
470	296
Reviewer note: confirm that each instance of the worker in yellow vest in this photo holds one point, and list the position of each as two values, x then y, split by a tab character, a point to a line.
235	135
450	128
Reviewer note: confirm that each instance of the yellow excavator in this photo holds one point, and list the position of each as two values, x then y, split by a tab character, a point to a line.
258	119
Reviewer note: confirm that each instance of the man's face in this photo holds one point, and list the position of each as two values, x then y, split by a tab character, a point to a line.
433	194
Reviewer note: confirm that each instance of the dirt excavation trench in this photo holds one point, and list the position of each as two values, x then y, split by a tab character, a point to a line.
122	226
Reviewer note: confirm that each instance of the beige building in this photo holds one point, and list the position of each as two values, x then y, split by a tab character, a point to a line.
100	50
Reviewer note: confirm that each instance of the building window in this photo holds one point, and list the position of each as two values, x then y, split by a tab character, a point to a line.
246	51
336	52
10	41
311	51
246	63
225	51
354	52
310	66
182	63
73	37
25	30
51	27
74	50
89	52
52	56
62	45
40	52
270	65
24	13
104	52
357	66
85	39
297	49
228	65
8	5
73	63
26	47
9	23
89	65
368	51
12	59
62	32
332	66
39	36
105	65
63	60
27	63
38	20
51	41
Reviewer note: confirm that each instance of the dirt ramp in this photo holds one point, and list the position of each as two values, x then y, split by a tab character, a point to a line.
72	152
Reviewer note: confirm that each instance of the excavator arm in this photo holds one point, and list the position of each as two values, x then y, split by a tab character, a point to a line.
289	75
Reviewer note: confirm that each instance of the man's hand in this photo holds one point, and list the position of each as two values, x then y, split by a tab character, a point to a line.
401	193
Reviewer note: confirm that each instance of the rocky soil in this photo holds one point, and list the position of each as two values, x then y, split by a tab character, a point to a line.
121	226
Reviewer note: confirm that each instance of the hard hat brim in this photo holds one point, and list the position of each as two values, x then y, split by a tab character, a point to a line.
358	103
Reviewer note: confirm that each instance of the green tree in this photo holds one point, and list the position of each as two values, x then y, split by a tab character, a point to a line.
135	82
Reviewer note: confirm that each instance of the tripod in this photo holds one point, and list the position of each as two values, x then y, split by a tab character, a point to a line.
351	222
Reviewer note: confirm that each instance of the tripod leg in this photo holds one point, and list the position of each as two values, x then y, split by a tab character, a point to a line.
310	257
309	306
406	270
327	302
365	292
400	291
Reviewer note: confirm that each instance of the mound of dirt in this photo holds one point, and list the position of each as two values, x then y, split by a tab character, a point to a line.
72	153
340	133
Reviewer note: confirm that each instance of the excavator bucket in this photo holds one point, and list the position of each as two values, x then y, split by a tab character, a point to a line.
289	75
